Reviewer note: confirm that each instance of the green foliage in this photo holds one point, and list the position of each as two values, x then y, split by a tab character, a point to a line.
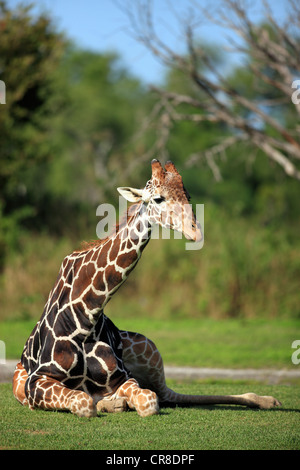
67	117
91	132
69	138
29	52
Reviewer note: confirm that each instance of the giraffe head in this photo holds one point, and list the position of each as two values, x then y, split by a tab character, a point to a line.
167	201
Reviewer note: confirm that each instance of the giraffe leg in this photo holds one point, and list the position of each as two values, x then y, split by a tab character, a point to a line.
19	380
144	401
50	394
144	361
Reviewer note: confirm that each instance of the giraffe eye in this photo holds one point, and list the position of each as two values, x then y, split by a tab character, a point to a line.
159	199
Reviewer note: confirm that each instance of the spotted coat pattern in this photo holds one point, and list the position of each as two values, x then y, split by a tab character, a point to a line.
75	356
76	359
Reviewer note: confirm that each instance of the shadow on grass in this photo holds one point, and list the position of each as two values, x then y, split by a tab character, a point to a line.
226	407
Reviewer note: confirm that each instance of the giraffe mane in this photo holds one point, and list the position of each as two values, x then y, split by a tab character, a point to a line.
125	218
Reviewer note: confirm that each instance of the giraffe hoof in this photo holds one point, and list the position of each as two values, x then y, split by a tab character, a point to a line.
262	402
267	402
82	406
112	406
147	403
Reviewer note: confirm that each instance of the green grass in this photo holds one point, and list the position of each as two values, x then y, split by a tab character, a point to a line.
204	343
220	343
208	427
198	343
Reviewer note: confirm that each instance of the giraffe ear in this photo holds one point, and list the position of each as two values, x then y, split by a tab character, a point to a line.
131	194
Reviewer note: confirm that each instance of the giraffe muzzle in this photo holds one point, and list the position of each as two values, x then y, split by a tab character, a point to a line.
193	232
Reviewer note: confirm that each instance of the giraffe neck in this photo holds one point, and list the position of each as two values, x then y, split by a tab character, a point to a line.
105	267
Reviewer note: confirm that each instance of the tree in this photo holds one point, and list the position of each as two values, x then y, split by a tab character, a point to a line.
64	128
255	103
30	50
94	130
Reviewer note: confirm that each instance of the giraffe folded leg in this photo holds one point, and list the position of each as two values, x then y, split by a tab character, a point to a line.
144	401
19	380
50	394
144	361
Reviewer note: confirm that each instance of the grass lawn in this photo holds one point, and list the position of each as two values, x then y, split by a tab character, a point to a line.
203	343
207	427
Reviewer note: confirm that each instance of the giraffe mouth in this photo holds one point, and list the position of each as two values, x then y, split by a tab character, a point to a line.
193	233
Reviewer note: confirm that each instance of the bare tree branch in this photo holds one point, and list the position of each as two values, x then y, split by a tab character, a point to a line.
273	54
209	155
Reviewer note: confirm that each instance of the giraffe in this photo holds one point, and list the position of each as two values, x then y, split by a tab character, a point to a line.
76	359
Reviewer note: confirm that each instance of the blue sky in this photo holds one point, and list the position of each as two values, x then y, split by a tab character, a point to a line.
101	25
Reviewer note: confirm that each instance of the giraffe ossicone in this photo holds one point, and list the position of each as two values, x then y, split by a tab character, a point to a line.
76	359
